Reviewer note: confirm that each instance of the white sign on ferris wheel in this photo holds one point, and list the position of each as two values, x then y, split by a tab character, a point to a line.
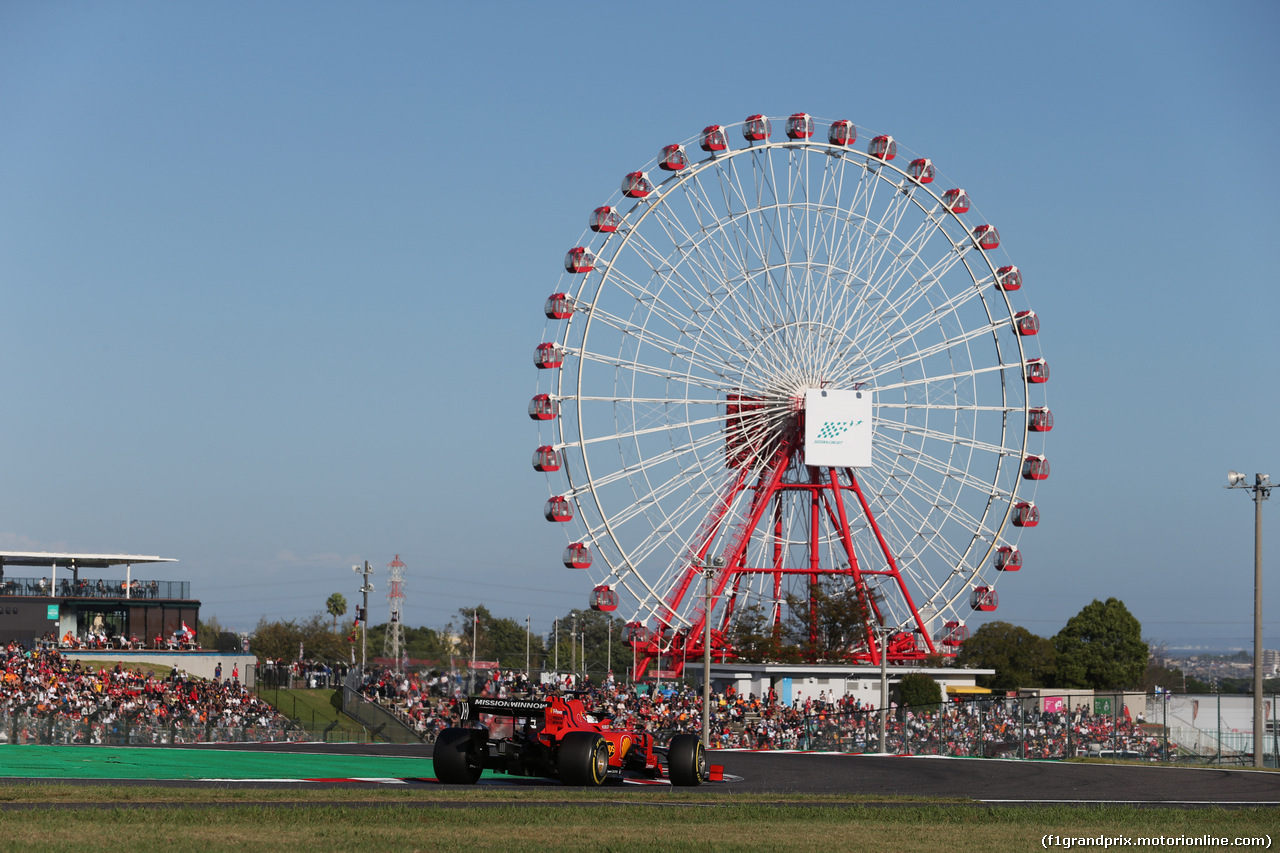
837	428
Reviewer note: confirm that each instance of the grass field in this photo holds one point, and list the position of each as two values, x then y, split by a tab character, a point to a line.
156	669
429	818
316	711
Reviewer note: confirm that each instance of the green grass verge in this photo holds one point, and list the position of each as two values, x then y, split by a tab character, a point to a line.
156	669
146	818
316	710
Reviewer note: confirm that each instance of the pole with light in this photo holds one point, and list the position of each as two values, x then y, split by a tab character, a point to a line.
707	572
1261	489
365	588
882	633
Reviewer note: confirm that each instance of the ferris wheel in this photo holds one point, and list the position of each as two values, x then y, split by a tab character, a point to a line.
778	363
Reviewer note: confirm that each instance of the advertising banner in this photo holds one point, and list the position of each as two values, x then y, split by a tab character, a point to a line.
837	428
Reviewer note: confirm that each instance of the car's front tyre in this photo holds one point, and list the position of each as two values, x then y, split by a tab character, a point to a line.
584	759
686	760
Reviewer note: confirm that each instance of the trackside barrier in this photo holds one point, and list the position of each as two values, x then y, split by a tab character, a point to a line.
382	723
991	728
21	727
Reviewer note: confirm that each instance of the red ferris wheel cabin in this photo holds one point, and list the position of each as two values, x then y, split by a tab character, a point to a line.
1035	468
604	599
605	220
546	356
577	556
1036	371
558	509
842	132
1026	322
636	185
558	307
579	259
956	201
636	633
922	170
545	458
1040	419
984	599
1008	278
953	633
756	128
543	408
883	148
986	236
713	138
1008	559
1026	515
673	159
800	126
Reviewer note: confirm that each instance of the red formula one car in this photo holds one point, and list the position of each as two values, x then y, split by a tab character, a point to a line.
556	738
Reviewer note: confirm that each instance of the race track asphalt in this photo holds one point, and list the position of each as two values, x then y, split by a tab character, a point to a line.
884	777
985	780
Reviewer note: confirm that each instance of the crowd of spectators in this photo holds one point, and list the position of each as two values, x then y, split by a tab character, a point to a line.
992	728
48	697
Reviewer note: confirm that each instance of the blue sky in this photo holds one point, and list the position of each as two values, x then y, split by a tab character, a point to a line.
271	274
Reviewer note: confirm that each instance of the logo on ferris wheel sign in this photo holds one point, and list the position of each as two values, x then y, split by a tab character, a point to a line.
837	428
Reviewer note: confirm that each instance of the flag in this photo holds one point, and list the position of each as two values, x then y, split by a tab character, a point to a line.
187	632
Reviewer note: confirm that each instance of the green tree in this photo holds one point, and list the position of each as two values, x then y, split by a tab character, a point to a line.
320	642
918	690
337	606
818	626
754	639
1195	685
602	634
211	635
1165	677
1101	647
426	644
825	626
1019	657
286	639
496	638
276	640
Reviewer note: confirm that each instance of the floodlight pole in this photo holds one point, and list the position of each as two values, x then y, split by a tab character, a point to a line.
707	571
706	657
366	588
882	633
1261	489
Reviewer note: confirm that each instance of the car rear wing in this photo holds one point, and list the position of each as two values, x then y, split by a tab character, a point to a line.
473	706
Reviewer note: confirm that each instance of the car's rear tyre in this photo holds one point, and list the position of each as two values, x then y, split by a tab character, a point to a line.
584	759
686	760
456	757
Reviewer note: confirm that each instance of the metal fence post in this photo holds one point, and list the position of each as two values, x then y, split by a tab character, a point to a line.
1164	727
1275	731
1217	750
1022	730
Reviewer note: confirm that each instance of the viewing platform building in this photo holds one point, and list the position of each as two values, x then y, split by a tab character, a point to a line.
93	601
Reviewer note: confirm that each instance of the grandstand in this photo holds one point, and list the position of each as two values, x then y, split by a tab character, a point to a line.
94	601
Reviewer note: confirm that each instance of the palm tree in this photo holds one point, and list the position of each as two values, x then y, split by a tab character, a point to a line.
336	605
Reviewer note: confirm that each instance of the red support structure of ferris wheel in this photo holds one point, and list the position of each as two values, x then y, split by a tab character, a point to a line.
826	488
